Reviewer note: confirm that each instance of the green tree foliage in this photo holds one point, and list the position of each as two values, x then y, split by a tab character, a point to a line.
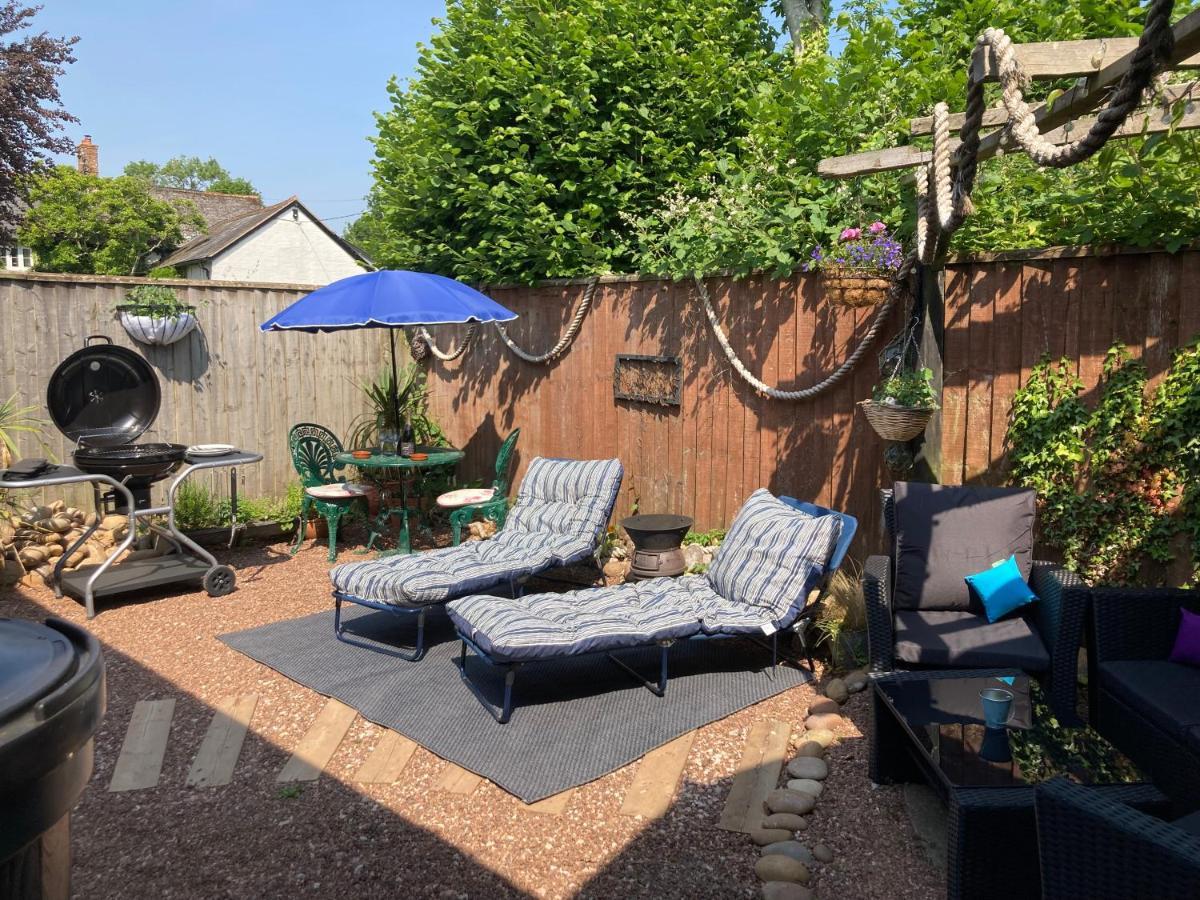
102	226
191	173
533	126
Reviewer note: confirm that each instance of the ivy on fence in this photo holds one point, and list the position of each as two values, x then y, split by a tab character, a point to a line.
1117	480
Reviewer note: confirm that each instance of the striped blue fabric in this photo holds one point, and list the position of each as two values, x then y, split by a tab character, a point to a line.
560	513
771	559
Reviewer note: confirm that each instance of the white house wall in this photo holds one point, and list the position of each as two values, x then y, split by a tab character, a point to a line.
294	251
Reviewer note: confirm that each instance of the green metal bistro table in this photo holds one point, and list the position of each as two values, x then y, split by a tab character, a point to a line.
437	457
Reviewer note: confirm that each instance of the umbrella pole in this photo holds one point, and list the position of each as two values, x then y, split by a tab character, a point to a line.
395	380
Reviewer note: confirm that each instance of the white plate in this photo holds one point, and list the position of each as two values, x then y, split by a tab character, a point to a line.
210	449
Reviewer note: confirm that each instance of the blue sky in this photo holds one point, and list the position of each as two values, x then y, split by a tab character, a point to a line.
282	92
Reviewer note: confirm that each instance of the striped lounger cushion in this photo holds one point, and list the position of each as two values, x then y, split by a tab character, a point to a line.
770	561
561	511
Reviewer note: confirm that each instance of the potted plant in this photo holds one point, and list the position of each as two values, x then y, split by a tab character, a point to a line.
154	314
902	405
859	270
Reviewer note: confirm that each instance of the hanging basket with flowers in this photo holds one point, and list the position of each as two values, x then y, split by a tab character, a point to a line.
902	405
154	314
859	270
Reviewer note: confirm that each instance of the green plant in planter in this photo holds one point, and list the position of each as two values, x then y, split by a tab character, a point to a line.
156	301
413	401
913	390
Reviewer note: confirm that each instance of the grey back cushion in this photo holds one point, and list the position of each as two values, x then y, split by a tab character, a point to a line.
946	532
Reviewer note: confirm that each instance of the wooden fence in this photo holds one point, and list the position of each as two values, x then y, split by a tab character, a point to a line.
225	382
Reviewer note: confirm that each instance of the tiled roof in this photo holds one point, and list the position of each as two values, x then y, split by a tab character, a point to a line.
214	208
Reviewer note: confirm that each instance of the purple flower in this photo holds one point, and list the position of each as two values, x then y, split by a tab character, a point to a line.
877	228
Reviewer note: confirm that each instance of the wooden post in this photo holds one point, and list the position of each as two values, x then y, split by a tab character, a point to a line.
928	456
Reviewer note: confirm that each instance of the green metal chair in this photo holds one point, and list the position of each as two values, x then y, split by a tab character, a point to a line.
314	450
495	506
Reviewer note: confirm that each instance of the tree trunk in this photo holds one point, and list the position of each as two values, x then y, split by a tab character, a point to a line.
800	15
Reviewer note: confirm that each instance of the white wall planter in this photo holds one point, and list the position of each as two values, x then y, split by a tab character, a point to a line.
157	331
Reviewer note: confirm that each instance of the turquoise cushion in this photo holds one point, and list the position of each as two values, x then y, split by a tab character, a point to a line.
1001	589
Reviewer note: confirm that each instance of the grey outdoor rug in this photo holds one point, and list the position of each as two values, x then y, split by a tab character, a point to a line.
573	720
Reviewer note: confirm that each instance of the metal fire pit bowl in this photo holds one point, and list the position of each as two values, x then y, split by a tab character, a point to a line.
657	540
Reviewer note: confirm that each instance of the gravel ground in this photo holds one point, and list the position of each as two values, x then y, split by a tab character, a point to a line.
337	838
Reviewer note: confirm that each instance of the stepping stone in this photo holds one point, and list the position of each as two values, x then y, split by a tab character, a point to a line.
387	760
808	767
785	890
789	821
824	705
141	760
822	736
836	690
856	681
824	722
457	780
822	853
657	777
785	801
794	849
781	868
319	743
554	805
764	837
757	774
222	744
811	748
806	785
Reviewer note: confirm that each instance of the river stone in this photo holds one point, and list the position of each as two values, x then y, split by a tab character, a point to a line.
790	821
693	555
836	690
765	836
781	868
794	849
810	748
824	722
785	890
823	705
806	786
808	767
785	801
822	853
856	681
822	736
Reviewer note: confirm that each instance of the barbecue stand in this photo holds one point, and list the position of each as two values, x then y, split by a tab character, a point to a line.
185	560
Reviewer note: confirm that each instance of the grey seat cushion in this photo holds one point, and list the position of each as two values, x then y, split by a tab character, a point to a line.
1166	693
959	639
1189	823
945	533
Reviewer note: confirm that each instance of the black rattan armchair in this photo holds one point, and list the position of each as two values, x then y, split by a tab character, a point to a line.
1043	642
1147	706
1093	846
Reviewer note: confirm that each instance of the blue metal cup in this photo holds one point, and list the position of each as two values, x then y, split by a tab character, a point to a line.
997	706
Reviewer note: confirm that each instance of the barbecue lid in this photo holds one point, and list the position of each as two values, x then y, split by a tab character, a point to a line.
103	395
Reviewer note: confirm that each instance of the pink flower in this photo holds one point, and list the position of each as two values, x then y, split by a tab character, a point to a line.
877	228
850	234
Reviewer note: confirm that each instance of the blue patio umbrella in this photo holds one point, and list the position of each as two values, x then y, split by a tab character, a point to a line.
390	299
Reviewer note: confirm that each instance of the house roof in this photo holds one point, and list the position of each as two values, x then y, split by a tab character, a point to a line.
226	234
215	208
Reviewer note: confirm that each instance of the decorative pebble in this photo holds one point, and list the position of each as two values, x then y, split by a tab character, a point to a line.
806	786
808	767
765	836
785	801
822	736
785	890
836	690
811	748
790	821
824	722
781	868
823	705
794	849
856	681
822	853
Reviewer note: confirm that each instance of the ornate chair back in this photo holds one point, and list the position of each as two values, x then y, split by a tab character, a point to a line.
504	463
314	449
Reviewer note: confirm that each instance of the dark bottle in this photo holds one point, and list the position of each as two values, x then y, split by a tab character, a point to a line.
408	444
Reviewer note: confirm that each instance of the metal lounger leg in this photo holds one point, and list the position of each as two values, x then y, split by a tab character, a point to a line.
659	689
414	655
510	675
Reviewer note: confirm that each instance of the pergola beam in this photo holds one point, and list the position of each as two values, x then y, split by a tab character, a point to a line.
1064	59
1146	120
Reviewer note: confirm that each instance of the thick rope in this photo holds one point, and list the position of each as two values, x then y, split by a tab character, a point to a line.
837	375
426	339
585	303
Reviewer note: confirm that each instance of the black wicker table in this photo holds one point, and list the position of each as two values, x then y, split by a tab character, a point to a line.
928	726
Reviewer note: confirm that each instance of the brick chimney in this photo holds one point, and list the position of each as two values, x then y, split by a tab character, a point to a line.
88	156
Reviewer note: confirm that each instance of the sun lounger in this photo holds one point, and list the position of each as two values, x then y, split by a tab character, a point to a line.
561	512
767	575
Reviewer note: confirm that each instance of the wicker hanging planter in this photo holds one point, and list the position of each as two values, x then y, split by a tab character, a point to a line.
855	288
157	331
896	423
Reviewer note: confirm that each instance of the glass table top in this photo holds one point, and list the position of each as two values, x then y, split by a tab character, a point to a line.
945	716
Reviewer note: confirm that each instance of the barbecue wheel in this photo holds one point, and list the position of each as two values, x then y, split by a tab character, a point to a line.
220	581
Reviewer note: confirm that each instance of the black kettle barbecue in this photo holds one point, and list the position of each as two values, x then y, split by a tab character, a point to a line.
104	397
